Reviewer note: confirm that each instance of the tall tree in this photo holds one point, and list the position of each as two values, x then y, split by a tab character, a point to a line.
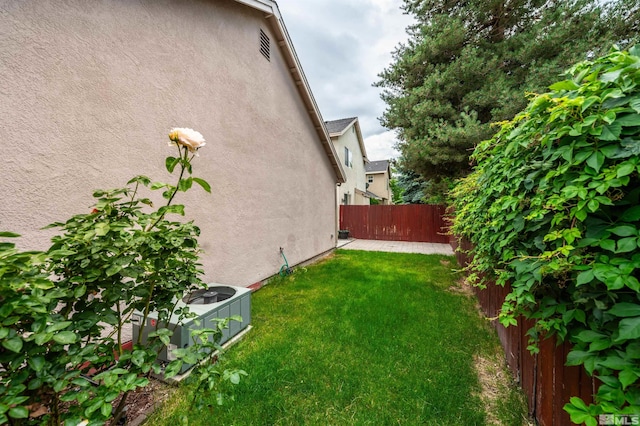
468	64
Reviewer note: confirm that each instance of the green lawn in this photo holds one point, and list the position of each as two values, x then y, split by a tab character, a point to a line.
363	338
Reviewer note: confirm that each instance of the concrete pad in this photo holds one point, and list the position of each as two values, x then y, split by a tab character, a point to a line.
396	246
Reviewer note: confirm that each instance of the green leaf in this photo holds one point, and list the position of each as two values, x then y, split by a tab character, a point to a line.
234	378
58	326
106	409
185	184
564	85
625	245
203	183
144	180
14	344
37	363
588	102
8	234
138	357
42	338
158	185
629	120
625	169
94	406
113	269
611	76
629	329
625	309
174	208
611	132
587	336
171	163
631	215
173	368
585	277
65	337
610	151
627	377
596	160
578	357
608	245
624	231
79	291
578	411
18	413
102	229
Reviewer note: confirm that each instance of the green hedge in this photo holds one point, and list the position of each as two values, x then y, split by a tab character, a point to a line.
552	208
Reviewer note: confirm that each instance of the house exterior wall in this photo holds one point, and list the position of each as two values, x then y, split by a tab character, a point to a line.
90	90
381	187
355	174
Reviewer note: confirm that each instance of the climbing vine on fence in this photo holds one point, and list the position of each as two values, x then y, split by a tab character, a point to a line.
553	208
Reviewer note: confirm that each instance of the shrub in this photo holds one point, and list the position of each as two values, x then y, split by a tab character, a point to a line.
56	308
553	208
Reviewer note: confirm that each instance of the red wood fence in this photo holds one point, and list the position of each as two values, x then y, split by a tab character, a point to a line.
411	222
546	381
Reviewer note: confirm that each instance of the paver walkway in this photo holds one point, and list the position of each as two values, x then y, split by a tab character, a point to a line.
396	246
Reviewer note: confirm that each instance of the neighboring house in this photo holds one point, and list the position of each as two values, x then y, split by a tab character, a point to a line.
91	88
347	140
378	178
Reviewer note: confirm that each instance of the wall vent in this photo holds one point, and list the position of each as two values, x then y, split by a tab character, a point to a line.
265	47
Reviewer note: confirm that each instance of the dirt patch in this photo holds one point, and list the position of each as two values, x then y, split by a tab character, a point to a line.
496	387
144	401
491	381
462	287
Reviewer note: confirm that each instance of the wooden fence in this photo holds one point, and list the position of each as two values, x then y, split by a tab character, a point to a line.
546	381
412	222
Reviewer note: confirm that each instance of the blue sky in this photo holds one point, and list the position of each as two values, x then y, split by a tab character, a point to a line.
343	45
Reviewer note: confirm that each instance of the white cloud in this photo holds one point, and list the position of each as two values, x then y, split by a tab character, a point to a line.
343	45
381	146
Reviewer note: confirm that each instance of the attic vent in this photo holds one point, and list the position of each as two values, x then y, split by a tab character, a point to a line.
264	45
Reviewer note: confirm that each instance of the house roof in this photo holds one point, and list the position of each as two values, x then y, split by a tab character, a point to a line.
339	127
273	16
372	195
377	166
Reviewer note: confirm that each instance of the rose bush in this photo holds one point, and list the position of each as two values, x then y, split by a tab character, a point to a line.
62	312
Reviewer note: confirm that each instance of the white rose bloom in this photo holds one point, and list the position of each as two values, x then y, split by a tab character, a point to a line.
186	137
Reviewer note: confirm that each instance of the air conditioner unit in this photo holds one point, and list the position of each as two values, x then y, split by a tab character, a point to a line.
216	301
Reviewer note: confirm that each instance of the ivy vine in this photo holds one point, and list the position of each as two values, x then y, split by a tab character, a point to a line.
553	208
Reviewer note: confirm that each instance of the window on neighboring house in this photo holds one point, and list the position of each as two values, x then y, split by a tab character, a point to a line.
345	199
348	157
370	178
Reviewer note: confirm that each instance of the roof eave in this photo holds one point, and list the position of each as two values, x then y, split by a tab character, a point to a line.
272	14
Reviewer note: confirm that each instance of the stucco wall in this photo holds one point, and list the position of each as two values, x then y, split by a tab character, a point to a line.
90	90
380	186
355	175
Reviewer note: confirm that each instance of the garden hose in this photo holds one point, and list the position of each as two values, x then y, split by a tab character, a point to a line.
284	269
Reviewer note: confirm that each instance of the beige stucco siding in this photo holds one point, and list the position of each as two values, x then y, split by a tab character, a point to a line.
380	186
90	90
355	174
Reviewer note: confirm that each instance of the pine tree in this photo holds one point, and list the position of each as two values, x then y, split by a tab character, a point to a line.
468	64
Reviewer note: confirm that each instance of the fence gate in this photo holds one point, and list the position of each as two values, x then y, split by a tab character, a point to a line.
410	222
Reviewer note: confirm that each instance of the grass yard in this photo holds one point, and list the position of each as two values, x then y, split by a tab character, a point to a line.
363	338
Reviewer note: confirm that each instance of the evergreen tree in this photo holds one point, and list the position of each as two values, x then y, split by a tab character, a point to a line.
468	64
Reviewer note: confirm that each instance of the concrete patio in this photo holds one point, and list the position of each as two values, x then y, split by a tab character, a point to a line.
395	246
